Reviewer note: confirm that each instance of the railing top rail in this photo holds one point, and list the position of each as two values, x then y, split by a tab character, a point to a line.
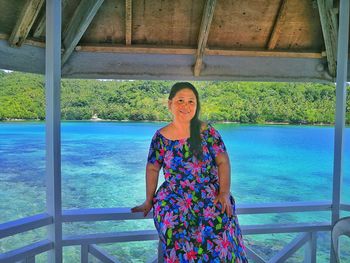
124	213
30	250
24	224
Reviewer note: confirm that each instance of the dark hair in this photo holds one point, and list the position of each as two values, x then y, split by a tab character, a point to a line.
195	124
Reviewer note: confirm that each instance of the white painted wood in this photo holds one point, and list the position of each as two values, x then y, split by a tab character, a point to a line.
99	214
345	207
26	251
101	254
283	207
290	249
285	228
53	129
124	213
30	259
342	63
84	253
254	256
340	107
311	248
125	236
241	67
160	252
24	224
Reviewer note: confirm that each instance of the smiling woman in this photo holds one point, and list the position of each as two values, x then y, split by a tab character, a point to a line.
193	210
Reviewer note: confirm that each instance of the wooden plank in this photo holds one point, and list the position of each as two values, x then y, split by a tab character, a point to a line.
207	17
24	224
84	253
261	53
285	228
124	213
128	21
101	254
311	248
25	22
254	256
80	21
26	251
330	32
277	27
125	236
141	49
290	249
178	50
39	30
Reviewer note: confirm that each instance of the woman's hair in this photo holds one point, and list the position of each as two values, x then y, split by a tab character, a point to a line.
195	124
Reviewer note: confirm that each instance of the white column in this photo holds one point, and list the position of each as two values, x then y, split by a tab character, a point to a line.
53	133
342	63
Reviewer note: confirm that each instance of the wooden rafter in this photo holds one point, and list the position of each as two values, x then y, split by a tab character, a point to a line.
80	21
128	21
277	27
25	22
330	32
207	17
39	30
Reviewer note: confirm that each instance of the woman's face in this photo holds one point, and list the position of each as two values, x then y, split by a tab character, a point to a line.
183	105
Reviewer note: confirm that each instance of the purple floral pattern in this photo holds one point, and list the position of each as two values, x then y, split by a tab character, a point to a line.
191	228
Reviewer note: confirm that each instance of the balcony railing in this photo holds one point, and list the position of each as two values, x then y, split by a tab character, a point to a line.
89	242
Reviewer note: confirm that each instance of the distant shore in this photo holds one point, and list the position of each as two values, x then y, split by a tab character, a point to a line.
228	122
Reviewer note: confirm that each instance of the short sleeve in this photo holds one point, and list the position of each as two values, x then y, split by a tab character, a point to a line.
215	143
156	151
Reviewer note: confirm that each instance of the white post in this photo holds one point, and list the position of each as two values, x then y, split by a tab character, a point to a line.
53	135
342	63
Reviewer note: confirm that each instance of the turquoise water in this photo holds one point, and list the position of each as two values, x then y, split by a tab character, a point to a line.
103	166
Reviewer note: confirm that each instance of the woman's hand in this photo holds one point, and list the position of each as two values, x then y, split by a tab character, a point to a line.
145	208
224	200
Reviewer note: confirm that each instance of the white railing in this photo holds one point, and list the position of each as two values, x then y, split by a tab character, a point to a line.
88	243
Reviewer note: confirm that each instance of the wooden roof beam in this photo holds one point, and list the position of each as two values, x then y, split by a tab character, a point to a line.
39	30
207	17
277	27
25	22
80	21
328	17
128	21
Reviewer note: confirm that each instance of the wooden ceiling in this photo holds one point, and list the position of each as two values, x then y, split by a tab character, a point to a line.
281	40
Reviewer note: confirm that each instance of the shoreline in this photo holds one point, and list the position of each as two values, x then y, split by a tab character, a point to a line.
220	122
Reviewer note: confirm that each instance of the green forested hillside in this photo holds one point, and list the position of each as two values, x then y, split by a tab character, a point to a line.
22	97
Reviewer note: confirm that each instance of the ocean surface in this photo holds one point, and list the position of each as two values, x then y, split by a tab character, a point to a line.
103	165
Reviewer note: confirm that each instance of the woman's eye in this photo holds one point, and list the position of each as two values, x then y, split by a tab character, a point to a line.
180	101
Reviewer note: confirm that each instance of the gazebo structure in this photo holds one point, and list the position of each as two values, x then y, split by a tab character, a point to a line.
275	40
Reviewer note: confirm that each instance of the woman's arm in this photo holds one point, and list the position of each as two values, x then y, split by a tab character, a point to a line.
152	174
224	173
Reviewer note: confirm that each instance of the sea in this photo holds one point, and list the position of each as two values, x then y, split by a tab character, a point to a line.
103	166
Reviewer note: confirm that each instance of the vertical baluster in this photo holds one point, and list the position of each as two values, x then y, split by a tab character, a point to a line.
160	253
310	248
84	253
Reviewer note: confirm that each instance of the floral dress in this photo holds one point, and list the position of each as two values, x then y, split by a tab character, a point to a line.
190	227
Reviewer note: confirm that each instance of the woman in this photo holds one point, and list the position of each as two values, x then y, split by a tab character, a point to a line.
193	210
